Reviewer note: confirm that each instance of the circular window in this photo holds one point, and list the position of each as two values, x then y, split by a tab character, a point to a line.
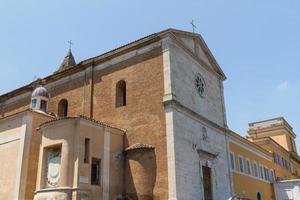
200	85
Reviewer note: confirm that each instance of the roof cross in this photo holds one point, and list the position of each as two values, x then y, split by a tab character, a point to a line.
70	44
193	26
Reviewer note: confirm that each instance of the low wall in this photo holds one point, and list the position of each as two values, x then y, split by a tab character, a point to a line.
287	190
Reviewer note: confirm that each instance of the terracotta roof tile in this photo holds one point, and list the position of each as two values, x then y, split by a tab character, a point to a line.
139	146
85	118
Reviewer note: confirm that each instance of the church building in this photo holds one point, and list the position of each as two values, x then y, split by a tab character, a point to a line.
144	121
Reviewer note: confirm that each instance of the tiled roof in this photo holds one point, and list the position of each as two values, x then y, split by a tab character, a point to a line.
139	146
85	118
68	62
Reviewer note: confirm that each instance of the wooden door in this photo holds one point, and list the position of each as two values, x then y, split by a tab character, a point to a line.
206	171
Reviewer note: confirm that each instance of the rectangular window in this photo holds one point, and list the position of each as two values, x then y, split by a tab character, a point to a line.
43	105
286	164
275	158
278	159
261	171
86	150
272	176
241	163
249	167
95	171
267	176
232	161
255	169
33	103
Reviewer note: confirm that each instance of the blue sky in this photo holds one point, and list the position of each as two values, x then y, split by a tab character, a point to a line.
257	43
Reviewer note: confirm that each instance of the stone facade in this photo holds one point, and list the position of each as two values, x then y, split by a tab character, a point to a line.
68	136
19	150
194	123
287	190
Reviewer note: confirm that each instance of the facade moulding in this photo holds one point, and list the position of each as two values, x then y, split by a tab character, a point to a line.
187	111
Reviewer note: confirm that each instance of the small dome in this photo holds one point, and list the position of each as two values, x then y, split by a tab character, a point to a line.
40	92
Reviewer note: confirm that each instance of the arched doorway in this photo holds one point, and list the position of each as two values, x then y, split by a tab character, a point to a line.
258	196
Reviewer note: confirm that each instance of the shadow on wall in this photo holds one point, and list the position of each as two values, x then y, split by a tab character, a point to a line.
140	174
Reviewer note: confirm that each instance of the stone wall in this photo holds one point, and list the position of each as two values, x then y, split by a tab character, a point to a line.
9	151
184	69
287	190
194	124
189	138
15	104
19	150
33	154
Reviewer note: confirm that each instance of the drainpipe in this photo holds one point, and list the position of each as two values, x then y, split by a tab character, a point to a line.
92	92
226	136
228	161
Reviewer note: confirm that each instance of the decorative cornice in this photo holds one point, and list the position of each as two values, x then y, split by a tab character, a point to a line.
180	107
249	147
245	142
29	110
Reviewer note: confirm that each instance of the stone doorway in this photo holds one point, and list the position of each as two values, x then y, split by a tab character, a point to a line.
207	185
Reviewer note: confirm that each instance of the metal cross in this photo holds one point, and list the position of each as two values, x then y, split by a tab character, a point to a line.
193	25
70	44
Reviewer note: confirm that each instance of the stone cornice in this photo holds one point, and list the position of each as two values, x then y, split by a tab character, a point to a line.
168	102
245	141
24	112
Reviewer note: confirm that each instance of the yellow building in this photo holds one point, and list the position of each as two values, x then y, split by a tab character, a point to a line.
267	155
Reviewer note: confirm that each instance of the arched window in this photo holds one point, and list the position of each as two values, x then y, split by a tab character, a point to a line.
121	94
63	108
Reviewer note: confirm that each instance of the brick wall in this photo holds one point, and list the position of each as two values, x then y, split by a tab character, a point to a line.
143	116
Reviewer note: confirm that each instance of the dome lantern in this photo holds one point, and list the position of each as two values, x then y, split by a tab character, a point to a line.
39	99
